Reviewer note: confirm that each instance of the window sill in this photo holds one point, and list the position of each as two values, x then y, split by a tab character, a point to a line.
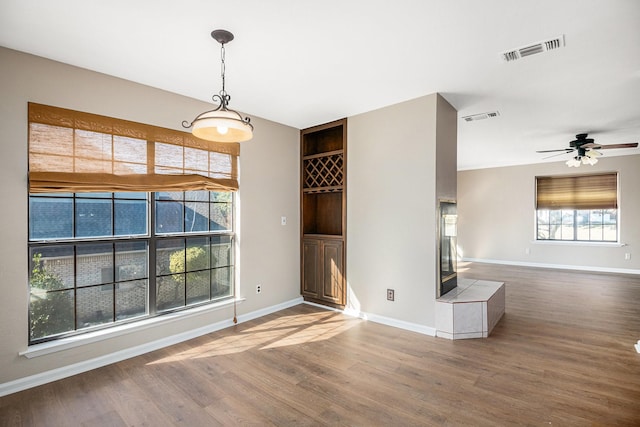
578	243
116	331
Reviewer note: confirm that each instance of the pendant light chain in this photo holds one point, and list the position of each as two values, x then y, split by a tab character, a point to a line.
223	92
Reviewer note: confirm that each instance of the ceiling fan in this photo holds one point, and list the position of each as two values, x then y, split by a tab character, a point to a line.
586	149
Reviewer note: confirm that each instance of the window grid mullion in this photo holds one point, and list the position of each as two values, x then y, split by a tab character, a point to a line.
152	283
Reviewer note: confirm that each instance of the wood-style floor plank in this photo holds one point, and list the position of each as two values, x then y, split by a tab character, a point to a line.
562	355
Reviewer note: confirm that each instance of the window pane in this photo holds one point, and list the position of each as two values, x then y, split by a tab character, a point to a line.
130	217
221	196
50	218
94	195
170	256
221	217
170	195
610	216
94	306
196	196
609	233
583	232
52	267
131	299
221	253
170	292
582	217
169	217
69	195
555	231
198	254
196	217
134	195
131	261
94	264
595	232
555	217
567	217
566	232
50	313
93	218
543	231
595	217
198	286
221	283
543	216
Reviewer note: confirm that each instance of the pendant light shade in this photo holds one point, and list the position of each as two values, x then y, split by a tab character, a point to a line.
221	124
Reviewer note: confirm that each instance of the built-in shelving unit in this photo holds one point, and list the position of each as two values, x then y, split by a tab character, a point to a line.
323	212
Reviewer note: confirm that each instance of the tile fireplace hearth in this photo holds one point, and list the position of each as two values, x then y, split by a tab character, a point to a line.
471	310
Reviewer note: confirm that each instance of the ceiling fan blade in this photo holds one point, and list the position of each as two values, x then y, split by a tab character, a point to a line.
604	147
555	155
566	150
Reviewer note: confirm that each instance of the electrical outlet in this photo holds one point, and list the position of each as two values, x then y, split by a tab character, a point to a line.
390	294
258	289
627	256
283	220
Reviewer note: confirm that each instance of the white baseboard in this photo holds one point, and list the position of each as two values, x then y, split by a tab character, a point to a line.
409	326
87	365
558	266
268	310
401	324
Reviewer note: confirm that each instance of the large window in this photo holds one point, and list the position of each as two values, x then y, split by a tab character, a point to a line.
577	208
126	221
98	259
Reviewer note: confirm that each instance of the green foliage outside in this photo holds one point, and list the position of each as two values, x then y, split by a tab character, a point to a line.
197	259
50	311
198	283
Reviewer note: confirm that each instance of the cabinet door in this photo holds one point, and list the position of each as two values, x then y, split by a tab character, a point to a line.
332	271
310	267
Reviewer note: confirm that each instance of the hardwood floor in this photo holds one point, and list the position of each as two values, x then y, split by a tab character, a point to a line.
562	355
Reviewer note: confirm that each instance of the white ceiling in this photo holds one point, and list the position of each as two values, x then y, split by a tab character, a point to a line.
303	63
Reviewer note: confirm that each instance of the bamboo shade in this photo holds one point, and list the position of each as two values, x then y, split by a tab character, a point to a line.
577	192
72	151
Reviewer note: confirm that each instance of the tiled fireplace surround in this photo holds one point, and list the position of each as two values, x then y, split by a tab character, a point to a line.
470	310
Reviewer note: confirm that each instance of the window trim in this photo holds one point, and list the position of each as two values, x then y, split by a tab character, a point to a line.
579	243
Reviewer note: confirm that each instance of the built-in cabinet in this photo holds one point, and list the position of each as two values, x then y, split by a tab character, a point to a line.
323	213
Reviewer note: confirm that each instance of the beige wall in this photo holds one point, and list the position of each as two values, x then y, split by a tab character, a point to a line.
269	252
391	200
496	221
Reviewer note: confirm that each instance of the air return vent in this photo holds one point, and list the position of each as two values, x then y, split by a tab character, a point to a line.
533	49
481	116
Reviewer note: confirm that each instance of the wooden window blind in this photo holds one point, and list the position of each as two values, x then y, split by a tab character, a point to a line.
72	151
599	191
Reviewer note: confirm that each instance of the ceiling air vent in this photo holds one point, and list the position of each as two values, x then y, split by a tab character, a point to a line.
533	49
481	116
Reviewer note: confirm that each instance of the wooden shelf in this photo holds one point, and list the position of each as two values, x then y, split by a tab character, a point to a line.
334	189
324	154
323	213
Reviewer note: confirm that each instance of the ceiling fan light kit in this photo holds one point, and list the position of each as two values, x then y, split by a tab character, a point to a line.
221	124
586	149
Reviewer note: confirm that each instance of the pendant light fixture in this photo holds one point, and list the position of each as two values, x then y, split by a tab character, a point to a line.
221	124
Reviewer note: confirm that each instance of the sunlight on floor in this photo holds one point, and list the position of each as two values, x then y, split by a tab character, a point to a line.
281	332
